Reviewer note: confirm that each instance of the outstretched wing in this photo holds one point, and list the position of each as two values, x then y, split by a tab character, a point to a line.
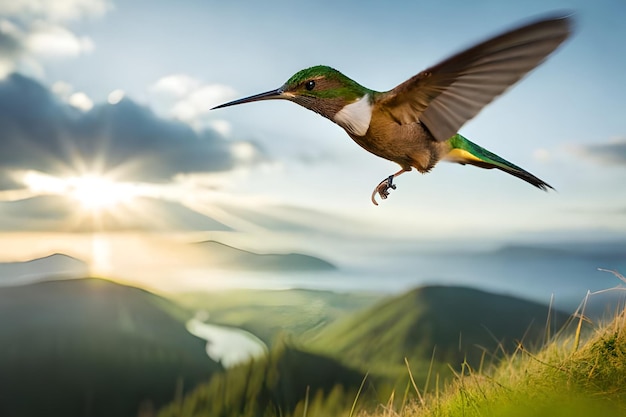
450	93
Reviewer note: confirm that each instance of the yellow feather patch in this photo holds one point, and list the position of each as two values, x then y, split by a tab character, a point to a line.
461	156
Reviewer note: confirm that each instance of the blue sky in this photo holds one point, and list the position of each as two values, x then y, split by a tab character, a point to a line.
158	66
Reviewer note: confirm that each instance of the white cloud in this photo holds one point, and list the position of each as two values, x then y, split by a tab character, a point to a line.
245	152
116	96
49	40
65	91
5	68
176	85
54	10
81	101
34	29
9	28
11	48
222	126
201	100
542	155
62	89
189	99
611	152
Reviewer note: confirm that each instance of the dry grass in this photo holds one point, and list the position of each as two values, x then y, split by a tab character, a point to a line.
573	375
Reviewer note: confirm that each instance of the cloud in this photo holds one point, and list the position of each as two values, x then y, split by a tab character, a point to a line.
200	100
57	10
222	126
11	47
31	30
190	100
542	155
81	101
612	152
176	85
40	132
115	96
78	99
62	89
9	39
7	180
50	40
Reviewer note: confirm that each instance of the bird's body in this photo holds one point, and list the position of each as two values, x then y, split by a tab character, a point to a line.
410	145
416	123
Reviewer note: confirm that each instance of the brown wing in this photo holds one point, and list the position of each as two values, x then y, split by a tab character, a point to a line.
449	94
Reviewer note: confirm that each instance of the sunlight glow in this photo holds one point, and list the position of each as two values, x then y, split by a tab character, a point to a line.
98	193
41	183
100	255
94	192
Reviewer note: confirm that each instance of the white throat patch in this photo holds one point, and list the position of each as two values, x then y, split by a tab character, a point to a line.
355	117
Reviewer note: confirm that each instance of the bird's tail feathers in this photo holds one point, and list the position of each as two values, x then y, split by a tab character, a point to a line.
466	152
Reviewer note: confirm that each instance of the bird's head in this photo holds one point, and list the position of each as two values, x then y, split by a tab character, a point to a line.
322	89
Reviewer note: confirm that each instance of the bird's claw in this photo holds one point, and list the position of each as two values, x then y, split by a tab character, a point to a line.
382	189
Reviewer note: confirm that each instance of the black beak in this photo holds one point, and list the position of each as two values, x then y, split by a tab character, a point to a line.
268	95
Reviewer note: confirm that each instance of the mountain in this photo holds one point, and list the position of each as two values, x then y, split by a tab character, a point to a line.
220	255
54	266
603	251
566	270
279	384
458	323
95	348
330	362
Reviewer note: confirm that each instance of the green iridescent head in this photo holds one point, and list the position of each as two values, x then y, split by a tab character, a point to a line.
324	82
321	88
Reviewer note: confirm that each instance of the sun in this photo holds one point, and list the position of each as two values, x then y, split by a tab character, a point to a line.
94	193
97	193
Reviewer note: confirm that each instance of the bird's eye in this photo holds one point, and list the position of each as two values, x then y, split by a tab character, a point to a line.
310	85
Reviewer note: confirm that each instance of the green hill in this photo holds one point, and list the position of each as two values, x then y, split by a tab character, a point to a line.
275	385
565	379
458	323
463	323
95	348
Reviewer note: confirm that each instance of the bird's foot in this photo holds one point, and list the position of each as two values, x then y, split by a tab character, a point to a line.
382	189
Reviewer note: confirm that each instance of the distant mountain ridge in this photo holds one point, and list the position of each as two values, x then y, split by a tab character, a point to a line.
54	266
618	250
221	255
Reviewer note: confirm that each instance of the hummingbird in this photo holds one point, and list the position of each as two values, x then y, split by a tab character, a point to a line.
416	123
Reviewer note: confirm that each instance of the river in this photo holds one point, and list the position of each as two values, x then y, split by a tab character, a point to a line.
228	345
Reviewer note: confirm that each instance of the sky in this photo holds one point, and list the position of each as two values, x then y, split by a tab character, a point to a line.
105	124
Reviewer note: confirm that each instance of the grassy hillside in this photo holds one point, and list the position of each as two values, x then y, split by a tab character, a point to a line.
275	385
457	323
374	339
93	347
565	379
268	313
